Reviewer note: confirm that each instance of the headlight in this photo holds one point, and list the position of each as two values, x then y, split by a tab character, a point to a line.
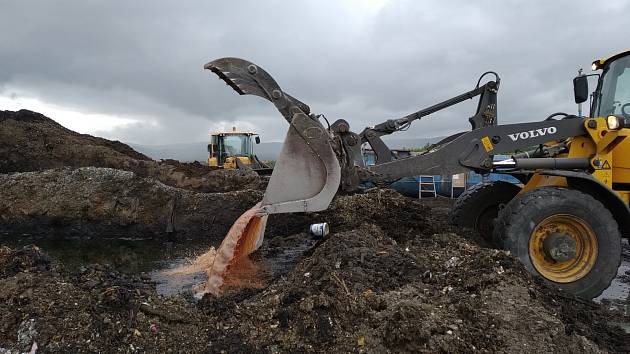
615	122
597	64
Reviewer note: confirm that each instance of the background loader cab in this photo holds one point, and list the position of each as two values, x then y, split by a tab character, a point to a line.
235	150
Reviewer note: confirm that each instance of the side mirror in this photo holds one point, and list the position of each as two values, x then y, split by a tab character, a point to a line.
580	88
257	139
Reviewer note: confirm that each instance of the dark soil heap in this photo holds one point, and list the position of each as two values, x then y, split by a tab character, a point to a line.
30	141
102	202
376	284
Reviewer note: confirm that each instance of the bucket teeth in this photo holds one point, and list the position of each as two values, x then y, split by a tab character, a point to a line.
247	78
244	77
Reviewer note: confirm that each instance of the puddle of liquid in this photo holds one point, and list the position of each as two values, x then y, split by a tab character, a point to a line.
187	274
624	326
131	256
228	266
619	289
617	296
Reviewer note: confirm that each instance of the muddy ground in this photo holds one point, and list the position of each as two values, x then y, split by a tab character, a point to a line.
106	202
392	276
381	282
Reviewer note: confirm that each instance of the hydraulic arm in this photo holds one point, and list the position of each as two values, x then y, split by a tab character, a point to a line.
564	222
316	161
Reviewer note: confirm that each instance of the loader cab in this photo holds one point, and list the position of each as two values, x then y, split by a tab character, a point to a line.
226	147
612	95
611	100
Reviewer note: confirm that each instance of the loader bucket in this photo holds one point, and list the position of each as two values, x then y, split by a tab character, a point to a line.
305	177
307	173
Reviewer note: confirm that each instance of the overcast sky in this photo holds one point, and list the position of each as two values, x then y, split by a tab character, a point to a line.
133	70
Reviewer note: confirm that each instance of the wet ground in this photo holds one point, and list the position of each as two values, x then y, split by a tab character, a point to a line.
391	277
132	256
148	258
151	258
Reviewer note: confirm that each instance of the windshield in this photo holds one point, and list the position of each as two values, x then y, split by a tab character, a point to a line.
236	145
615	89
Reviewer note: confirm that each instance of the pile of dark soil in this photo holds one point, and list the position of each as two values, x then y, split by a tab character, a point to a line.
30	141
369	286
104	202
398	216
401	282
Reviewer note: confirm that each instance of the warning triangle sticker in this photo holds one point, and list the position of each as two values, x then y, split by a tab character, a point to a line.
606	165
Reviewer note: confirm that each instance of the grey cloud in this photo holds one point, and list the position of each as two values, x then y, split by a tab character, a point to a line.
143	59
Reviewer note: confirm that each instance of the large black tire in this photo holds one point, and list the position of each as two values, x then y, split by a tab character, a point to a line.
528	216
478	207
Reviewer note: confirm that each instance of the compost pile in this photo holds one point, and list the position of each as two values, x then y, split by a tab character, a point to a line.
30	141
392	276
377	284
100	202
58	182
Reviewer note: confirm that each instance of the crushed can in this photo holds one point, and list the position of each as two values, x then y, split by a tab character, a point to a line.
320	229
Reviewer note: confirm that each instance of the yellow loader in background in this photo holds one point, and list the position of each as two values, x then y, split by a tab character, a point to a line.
565	224
235	150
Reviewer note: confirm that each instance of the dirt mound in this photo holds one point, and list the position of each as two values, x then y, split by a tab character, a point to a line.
362	291
26	259
100	202
391	277
400	217
356	291
30	141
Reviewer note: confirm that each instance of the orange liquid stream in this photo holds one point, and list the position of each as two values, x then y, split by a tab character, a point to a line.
230	264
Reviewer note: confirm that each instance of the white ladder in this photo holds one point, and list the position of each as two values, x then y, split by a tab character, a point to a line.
426	187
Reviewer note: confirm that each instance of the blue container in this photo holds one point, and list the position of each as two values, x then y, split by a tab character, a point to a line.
410	186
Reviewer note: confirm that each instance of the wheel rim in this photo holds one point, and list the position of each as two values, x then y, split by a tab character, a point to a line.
563	248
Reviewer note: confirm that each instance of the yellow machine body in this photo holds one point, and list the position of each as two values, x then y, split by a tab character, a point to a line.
608	149
226	148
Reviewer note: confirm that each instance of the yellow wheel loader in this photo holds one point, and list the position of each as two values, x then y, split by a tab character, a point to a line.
235	150
564	224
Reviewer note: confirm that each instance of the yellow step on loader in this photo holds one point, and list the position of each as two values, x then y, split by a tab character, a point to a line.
564	224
